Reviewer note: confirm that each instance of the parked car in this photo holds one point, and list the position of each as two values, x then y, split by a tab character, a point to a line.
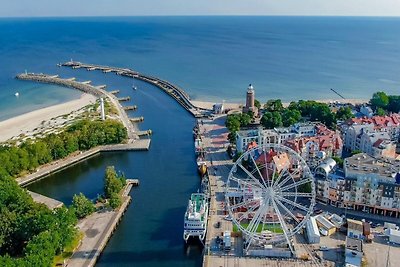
323	248
318	211
323	231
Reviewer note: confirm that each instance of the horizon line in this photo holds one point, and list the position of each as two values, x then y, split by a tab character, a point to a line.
201	15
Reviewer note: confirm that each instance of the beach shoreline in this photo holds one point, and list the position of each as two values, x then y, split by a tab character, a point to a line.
27	122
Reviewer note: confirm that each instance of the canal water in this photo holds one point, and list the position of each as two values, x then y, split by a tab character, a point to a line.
150	233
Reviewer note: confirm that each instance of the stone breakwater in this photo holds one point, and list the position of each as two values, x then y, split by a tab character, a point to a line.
172	90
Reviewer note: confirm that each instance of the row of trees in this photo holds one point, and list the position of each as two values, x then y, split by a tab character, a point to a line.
81	135
31	234
113	184
382	103
276	115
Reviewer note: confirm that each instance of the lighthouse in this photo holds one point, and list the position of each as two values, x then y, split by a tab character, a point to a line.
250	101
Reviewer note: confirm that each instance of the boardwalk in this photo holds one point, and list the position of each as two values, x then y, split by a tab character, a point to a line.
138	145
174	91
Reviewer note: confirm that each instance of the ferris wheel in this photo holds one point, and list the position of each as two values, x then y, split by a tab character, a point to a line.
270	194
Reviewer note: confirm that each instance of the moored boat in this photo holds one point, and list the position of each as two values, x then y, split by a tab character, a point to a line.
196	216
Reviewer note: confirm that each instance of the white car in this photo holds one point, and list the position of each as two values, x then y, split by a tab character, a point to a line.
228	218
323	248
323	231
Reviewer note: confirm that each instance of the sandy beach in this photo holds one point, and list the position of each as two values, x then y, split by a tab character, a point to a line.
29	121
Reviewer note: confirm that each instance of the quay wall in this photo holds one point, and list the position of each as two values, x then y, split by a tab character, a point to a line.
138	145
113	224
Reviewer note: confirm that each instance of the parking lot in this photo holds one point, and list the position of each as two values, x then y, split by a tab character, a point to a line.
377	252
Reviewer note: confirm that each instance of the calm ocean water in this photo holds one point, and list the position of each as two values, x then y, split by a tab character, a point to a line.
213	58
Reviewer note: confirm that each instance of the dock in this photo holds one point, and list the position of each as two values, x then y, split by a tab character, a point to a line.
126	98
49	202
144	133
137	119
43	171
134	107
172	90
98	229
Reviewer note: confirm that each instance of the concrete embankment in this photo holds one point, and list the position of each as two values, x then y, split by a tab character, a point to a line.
137	145
174	91
98	229
51	203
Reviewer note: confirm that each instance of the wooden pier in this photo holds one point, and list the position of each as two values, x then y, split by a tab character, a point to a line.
144	133
174	91
126	98
130	107
137	119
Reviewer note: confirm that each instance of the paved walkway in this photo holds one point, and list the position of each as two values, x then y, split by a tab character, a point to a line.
98	229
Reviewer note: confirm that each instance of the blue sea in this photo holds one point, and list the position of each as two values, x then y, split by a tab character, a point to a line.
213	58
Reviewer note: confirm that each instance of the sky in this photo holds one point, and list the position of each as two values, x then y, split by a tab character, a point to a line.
56	8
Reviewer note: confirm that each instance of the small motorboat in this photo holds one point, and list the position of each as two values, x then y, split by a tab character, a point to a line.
16	94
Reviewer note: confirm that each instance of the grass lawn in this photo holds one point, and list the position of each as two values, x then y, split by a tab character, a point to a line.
275	228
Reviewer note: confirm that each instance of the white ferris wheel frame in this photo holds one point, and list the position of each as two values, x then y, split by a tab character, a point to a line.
276	194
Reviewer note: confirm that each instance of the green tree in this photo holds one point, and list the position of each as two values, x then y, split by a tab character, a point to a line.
115	200
233	123
257	103
244	119
273	105
380	112
113	182
394	104
271	120
344	113
290	117
379	100
82	206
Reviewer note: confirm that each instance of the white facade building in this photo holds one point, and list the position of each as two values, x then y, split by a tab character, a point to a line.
312	231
